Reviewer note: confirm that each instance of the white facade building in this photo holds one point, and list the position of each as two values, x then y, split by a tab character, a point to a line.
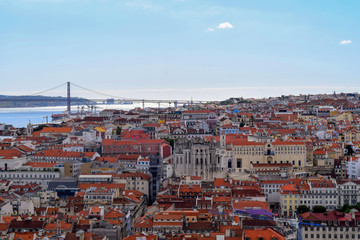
24	177
353	168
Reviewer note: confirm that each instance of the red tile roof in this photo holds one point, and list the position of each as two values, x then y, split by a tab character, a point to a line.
250	204
61	153
56	130
265	234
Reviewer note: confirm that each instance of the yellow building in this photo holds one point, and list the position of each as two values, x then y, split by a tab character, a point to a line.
289	200
345	116
349	135
240	154
50	131
306	117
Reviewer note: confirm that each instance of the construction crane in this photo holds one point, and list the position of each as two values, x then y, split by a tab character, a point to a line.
300	223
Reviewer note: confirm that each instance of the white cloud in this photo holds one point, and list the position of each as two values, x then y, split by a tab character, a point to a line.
344	42
225	25
209	30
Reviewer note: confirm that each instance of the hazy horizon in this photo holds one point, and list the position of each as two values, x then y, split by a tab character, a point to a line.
206	94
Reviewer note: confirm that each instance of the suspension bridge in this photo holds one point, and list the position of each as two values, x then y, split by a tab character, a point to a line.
110	99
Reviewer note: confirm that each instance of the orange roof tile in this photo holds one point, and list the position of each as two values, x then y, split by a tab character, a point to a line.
56	130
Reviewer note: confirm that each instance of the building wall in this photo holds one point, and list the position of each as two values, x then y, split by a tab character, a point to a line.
330	233
289	204
20	177
268	153
348	193
12	164
326	197
194	157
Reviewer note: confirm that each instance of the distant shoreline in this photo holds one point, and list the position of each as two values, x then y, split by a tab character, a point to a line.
7	101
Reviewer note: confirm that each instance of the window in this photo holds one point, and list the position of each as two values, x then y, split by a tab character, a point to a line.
239	163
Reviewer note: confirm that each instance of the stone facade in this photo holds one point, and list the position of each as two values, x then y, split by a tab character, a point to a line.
195	157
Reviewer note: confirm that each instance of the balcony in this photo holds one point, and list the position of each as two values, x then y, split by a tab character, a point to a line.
269	153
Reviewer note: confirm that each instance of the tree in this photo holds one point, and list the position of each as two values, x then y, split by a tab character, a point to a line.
302	209
319	209
39	127
357	206
252	120
171	142
118	130
345	208
242	123
350	150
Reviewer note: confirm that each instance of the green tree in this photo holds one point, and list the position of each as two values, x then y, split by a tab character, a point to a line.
345	208
350	150
302	209
171	141
242	123
39	127
118	130
357	206
319	209
252	120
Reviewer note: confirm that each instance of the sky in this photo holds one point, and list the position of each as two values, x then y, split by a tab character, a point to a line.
180	49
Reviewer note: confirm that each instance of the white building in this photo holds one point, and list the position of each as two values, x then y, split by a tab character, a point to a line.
24	177
348	191
320	193
353	168
143	164
271	189
12	163
168	171
73	148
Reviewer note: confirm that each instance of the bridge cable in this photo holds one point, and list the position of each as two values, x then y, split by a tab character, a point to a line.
39	93
122	98
104	94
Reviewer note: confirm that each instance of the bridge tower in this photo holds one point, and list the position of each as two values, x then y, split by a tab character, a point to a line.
68	98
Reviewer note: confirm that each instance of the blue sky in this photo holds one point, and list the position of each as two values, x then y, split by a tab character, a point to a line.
166	49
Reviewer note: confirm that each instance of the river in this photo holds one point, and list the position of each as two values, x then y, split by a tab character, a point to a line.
20	117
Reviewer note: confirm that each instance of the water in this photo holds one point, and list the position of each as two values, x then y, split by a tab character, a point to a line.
20	117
